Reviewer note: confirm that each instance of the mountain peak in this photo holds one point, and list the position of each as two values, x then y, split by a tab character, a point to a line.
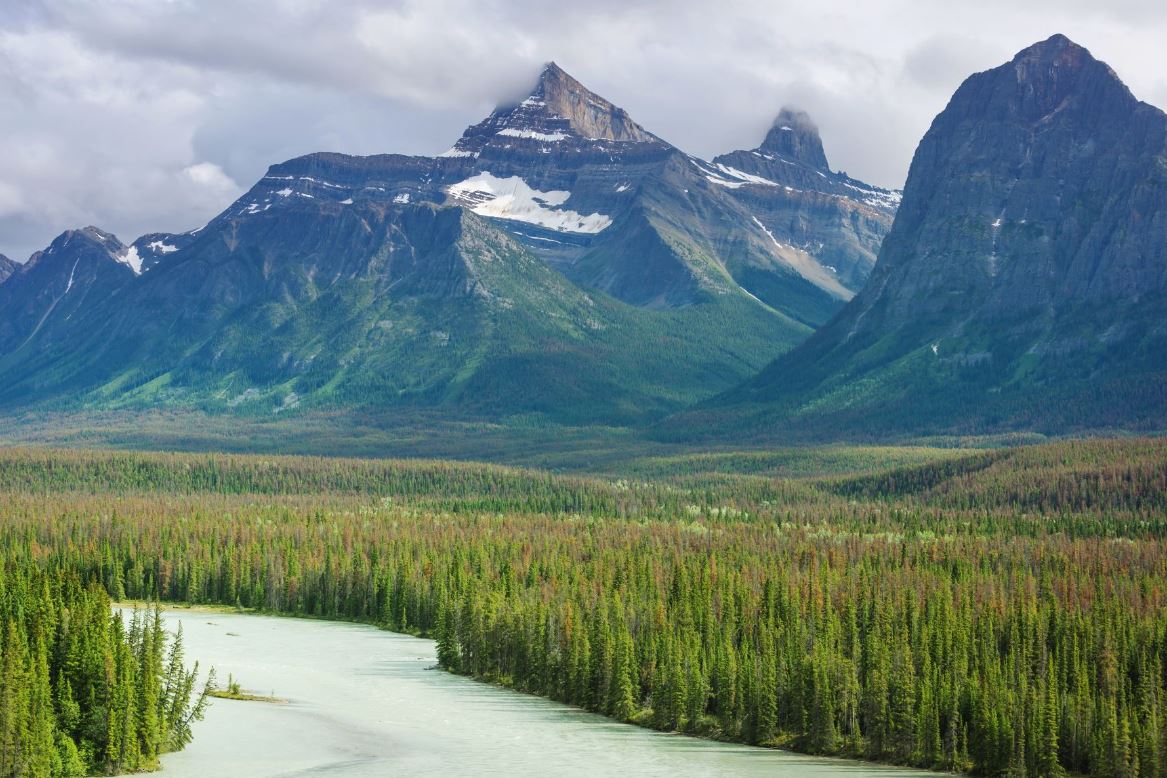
552	72
1053	79
1053	70
589	115
1057	55
98	235
794	135
1053	47
558	108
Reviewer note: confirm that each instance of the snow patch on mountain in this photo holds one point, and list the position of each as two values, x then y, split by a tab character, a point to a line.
511	198
72	273
161	247
131	259
546	137
743	176
880	198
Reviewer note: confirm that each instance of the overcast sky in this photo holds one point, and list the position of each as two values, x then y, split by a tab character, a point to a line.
152	115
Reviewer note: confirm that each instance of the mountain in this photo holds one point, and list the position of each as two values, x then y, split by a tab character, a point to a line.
7	268
830	218
79	269
559	260
425	306
649	224
1023	284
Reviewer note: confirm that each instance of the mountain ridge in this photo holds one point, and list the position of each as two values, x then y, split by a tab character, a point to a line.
577	278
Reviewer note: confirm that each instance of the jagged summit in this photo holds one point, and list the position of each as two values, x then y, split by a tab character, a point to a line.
558	109
1058	48
805	207
588	114
86	238
795	136
1048	73
140	256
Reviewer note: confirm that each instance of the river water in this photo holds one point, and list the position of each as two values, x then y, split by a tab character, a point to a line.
363	702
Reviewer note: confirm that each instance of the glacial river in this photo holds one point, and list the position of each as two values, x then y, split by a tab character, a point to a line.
362	702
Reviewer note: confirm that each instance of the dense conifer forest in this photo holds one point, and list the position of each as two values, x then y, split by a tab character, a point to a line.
990	612
84	691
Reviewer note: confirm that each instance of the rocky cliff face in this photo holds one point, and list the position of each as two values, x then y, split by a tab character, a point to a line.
1038	189
647	223
7	268
1024	282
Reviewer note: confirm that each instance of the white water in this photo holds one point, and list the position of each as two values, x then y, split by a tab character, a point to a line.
363	702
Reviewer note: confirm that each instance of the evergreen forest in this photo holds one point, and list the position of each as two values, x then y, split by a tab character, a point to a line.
990	612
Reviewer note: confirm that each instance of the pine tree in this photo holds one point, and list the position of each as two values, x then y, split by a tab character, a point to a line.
449	655
624	690
1048	765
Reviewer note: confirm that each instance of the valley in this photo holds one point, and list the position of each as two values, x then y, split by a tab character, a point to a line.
568	451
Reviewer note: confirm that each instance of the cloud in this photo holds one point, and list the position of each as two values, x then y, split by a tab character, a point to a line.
142	115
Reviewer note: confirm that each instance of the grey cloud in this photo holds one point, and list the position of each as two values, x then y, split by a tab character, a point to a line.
942	62
109	106
248	132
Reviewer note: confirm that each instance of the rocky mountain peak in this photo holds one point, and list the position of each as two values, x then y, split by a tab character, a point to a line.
794	135
1047	74
96	235
1055	51
590	115
558	109
88	243
85	239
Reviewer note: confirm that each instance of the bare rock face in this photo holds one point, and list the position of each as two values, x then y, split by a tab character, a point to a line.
670	230
1039	189
1024	282
7	268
